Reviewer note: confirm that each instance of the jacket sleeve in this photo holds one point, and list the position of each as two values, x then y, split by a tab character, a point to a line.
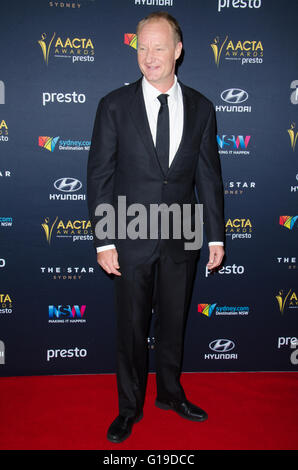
101	167
208	182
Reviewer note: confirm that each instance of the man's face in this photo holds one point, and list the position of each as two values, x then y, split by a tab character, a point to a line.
157	53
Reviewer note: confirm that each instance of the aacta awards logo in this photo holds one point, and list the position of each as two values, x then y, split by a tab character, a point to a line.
286	300
75	230
246	52
293	134
3	131
5	303
239	228
74	48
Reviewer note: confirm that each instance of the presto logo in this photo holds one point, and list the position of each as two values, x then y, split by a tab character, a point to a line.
238	4
74	97
233	269
66	353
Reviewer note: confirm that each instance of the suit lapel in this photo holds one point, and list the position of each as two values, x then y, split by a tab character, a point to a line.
187	119
139	117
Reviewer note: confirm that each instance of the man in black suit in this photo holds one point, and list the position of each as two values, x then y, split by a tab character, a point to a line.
153	142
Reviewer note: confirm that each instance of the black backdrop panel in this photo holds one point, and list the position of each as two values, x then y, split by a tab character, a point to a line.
57	60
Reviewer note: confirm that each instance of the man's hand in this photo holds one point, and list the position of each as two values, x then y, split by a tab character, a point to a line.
216	254
108	260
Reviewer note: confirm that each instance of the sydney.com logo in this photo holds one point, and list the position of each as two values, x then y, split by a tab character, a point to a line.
49	143
208	309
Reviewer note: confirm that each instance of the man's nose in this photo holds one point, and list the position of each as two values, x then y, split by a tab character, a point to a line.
149	56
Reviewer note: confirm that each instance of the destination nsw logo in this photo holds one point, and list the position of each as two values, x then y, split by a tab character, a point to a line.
224	310
67	314
288	221
131	39
3	131
50	143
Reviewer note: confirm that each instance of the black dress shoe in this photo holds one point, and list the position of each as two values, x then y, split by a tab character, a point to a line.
121	428
183	408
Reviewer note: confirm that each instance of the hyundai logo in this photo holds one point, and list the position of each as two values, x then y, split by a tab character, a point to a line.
234	95
68	185
222	345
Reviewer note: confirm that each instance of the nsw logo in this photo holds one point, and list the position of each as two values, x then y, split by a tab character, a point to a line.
67	313
235	145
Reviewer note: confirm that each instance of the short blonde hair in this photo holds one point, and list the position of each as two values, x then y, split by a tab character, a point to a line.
163	15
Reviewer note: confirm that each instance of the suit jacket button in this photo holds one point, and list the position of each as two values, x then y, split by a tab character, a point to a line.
165	182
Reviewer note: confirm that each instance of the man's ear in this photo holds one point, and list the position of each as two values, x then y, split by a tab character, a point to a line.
178	50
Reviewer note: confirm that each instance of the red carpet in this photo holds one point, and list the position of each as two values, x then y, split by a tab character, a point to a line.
247	411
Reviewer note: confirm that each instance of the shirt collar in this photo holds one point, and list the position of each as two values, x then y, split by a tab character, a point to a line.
152	93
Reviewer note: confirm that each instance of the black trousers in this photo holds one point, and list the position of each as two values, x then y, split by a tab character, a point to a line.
166	286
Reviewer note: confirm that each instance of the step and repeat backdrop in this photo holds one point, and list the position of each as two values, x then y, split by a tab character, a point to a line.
58	58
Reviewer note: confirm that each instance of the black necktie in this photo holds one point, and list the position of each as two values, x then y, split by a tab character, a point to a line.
163	133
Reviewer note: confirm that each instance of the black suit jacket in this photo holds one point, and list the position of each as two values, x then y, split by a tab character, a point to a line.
123	162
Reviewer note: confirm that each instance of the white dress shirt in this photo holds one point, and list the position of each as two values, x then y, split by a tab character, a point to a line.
176	117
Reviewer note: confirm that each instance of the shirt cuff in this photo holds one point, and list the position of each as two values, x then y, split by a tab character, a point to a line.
104	248
110	247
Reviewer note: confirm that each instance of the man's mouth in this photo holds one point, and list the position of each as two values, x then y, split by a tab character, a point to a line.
152	67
